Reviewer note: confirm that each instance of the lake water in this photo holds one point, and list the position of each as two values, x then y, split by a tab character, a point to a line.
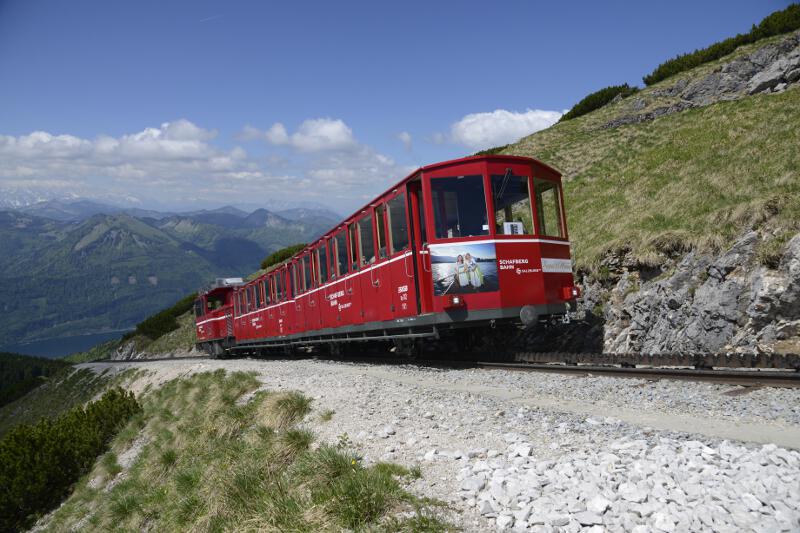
443	278
54	348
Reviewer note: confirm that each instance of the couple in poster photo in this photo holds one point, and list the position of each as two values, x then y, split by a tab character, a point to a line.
467	272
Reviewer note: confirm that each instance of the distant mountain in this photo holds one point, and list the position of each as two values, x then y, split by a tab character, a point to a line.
78	272
71	209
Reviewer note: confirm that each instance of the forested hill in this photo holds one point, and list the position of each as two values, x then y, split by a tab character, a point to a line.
108	271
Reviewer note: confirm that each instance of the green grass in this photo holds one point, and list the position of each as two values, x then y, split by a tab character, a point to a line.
693	179
213	462
52	398
98	352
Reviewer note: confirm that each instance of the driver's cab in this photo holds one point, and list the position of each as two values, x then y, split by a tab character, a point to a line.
496	228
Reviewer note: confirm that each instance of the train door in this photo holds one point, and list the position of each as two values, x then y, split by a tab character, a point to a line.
419	239
383	272
352	311
267	299
310	300
337	295
284	315
299	298
403	297
320	267
370	278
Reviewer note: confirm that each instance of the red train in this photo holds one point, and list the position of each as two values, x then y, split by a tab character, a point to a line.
474	242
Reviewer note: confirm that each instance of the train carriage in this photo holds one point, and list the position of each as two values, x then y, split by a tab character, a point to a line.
479	241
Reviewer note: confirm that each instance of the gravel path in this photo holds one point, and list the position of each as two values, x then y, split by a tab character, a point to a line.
545	452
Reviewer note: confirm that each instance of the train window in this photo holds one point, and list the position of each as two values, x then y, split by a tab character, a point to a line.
198	308
548	208
341	254
398	227
251	298
512	204
307	282
352	231
267	291
459	207
259	295
380	222
292	281
322	263
279	285
366	238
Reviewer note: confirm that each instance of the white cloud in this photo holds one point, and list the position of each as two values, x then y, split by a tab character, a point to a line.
405	138
179	160
313	135
484	130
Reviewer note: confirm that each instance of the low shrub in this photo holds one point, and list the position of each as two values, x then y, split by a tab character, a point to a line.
281	255
163	322
774	24
40	462
19	374
598	99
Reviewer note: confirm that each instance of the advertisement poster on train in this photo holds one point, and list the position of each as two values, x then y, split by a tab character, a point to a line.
464	268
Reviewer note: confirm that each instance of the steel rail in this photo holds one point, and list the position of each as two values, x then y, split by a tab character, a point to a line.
748	378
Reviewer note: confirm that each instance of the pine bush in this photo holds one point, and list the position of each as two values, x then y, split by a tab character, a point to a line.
40	462
774	24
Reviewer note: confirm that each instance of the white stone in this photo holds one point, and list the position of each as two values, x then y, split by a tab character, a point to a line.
631	493
473	483
558	520
598	504
485	507
430	455
751	501
663	522
587	518
505	521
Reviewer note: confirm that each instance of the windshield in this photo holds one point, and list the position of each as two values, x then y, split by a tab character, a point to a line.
459	207
548	208
512	205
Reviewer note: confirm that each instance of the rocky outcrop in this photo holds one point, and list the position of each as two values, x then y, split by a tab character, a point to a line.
129	351
699	303
771	68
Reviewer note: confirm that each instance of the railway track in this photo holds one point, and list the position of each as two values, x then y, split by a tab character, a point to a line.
747	378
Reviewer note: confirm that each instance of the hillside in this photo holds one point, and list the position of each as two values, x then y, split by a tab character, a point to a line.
683	207
711	165
108	271
219	452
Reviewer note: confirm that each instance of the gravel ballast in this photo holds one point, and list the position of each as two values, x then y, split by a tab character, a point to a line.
546	452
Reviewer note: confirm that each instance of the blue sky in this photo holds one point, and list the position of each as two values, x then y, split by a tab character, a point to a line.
200	103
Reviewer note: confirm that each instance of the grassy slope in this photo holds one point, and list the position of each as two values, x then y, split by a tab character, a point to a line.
212	460
696	177
57	395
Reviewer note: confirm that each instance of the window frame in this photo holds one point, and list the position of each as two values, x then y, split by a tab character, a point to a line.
381	219
457	173
353	253
531	202
560	201
403	197
362	223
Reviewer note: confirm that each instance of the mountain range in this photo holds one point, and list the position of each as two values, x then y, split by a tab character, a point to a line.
75	266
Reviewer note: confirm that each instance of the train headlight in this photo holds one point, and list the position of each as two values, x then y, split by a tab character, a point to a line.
570	293
455	301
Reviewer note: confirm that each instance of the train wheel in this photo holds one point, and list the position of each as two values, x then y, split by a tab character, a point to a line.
410	348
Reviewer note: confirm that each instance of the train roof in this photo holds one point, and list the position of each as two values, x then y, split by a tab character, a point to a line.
409	177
